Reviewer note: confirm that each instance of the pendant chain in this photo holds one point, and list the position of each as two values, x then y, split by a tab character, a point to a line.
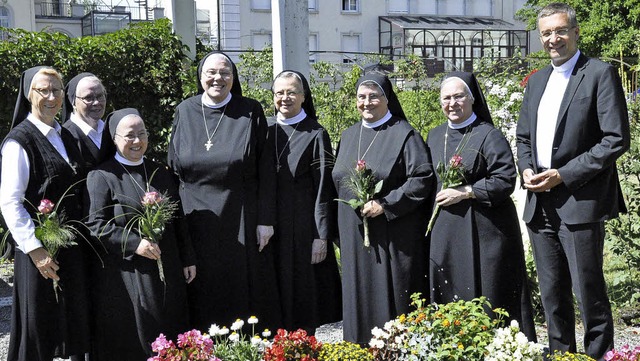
278	156
146	178
360	141
208	144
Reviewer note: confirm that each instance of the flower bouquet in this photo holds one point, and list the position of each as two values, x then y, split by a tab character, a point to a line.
53	229
364	186
293	346
511	344
150	222
192	346
451	175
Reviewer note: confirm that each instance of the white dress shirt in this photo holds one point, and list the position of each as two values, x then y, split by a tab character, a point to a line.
93	134
549	109
14	182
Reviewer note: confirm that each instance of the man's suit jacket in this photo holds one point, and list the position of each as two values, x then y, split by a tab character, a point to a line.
90	153
592	131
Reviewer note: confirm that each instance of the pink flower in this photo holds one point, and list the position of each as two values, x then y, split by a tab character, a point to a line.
151	198
46	206
361	165
455	161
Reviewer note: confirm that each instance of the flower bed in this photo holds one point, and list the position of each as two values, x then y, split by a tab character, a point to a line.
455	331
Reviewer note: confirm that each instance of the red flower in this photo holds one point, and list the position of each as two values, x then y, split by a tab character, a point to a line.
46	206
524	81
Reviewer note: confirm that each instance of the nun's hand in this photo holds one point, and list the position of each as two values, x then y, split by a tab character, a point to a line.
318	250
148	249
44	263
189	273
451	196
264	235
372	209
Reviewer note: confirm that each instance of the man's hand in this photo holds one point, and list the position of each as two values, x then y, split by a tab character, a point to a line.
541	182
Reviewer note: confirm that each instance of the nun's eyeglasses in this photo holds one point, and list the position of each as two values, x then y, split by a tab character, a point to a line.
210	74
457	98
129	138
283	94
90	99
45	92
373	97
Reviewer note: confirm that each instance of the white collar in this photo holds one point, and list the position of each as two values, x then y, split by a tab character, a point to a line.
43	127
472	118
209	103
568	65
125	161
84	127
378	122
293	120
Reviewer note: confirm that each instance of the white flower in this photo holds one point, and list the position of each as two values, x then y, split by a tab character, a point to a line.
266	333
378	332
214	330
223	331
376	343
237	325
252	320
234	337
256	340
516	96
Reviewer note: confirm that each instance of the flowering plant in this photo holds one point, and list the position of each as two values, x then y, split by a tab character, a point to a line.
568	356
451	175
344	350
363	185
192	346
454	331
293	346
150	222
623	354
234	346
511	344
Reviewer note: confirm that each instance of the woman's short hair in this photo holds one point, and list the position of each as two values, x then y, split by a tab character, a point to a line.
46	71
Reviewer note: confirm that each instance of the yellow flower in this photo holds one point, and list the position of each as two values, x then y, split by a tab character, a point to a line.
446	323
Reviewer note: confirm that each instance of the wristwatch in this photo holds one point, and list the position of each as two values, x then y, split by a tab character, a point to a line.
469	190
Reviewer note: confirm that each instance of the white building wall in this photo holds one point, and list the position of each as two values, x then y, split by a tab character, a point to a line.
22	14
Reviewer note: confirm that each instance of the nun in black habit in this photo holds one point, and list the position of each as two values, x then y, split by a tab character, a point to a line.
131	304
475	244
377	281
308	275
40	160
82	112
220	153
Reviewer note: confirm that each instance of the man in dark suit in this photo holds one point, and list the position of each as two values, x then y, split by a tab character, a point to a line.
573	126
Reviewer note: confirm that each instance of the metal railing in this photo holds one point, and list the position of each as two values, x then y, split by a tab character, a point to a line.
58	9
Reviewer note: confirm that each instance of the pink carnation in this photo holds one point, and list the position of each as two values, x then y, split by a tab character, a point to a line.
46	206
361	165
455	161
151	198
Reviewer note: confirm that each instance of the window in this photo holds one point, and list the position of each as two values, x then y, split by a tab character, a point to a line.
399	6
260	40
312	5
313	46
350	45
4	21
260	4
350	6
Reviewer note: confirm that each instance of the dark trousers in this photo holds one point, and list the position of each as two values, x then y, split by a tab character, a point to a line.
570	256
